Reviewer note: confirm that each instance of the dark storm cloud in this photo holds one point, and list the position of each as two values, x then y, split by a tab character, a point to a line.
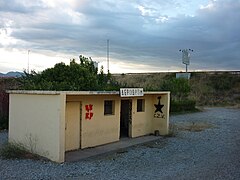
149	36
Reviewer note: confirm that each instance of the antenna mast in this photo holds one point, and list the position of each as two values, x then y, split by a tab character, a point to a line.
108	55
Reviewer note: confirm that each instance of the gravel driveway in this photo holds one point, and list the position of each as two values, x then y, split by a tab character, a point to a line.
213	153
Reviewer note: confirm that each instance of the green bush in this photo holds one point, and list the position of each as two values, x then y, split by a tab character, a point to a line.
183	106
179	88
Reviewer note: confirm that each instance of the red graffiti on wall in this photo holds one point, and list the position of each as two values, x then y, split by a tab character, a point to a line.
89	113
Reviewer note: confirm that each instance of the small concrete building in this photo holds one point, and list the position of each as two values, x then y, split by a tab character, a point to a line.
49	123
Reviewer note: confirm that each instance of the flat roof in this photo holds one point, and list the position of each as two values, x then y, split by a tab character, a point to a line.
37	92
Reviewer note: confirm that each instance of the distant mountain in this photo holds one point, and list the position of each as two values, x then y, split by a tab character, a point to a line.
12	74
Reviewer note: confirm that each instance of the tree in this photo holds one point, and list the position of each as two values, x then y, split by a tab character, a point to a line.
73	77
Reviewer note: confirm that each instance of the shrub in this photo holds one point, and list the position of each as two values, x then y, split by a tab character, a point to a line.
182	106
179	88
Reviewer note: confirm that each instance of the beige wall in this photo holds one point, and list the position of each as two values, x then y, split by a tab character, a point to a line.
101	129
161	123
37	121
144	123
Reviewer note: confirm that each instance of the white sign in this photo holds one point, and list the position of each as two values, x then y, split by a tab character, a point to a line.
185	57
131	92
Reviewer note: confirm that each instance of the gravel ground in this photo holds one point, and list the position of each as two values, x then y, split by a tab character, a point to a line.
209	154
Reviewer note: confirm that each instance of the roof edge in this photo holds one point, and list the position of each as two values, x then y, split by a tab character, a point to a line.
39	92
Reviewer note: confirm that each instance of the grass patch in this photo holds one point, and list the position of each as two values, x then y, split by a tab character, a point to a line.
16	151
192	127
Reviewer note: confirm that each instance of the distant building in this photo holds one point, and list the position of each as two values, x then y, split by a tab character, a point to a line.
183	75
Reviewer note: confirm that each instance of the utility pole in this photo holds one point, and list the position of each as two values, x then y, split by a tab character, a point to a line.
186	68
108	55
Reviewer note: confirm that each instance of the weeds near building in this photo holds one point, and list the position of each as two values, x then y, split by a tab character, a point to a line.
16	150
12	150
173	130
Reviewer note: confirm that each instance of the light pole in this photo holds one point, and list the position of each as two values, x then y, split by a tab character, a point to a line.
186	57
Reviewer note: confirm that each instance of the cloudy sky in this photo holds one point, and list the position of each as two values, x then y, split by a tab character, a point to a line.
144	35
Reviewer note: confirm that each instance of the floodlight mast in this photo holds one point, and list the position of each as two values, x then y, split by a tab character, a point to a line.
186	57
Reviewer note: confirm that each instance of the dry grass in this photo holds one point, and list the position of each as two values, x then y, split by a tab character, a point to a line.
16	151
191	126
207	88
194	126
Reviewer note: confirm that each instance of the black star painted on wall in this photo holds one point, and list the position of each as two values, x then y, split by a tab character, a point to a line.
158	106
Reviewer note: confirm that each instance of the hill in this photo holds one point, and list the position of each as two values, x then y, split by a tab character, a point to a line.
12	74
